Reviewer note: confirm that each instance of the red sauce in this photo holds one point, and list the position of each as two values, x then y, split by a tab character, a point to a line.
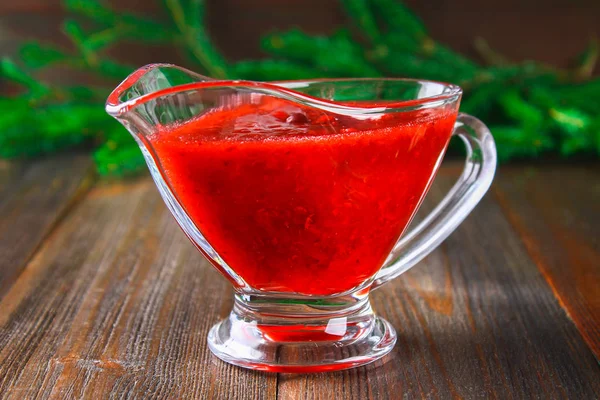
299	200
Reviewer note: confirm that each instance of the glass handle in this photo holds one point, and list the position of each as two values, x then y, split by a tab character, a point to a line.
473	183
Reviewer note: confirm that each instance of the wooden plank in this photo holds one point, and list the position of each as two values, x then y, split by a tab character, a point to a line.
117	304
556	209
476	319
33	198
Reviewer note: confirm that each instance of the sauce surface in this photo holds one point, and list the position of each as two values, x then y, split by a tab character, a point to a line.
297	199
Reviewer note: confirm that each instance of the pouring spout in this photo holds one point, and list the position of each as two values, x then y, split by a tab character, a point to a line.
147	81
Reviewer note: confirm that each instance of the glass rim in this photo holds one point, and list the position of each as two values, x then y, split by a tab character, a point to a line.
285	89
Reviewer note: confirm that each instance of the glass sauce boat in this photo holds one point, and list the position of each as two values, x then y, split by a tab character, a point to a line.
299	193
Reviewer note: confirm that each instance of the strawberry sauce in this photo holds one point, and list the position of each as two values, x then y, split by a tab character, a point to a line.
297	199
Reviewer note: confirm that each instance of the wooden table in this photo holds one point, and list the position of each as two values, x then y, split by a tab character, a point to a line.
103	297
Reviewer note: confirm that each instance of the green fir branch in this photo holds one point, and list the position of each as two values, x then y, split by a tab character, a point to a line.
533	109
196	38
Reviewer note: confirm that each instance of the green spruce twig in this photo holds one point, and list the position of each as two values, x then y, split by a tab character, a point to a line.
533	109
196	38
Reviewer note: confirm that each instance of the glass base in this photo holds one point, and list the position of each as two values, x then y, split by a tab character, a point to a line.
301	335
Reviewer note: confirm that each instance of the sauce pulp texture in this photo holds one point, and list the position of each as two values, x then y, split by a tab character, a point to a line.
297	199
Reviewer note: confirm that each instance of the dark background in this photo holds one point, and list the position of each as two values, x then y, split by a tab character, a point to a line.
551	31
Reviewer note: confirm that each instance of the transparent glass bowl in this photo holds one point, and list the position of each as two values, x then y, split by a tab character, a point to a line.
285	319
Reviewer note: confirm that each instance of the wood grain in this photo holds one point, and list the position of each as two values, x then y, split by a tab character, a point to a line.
556	210
33	198
117	304
475	320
